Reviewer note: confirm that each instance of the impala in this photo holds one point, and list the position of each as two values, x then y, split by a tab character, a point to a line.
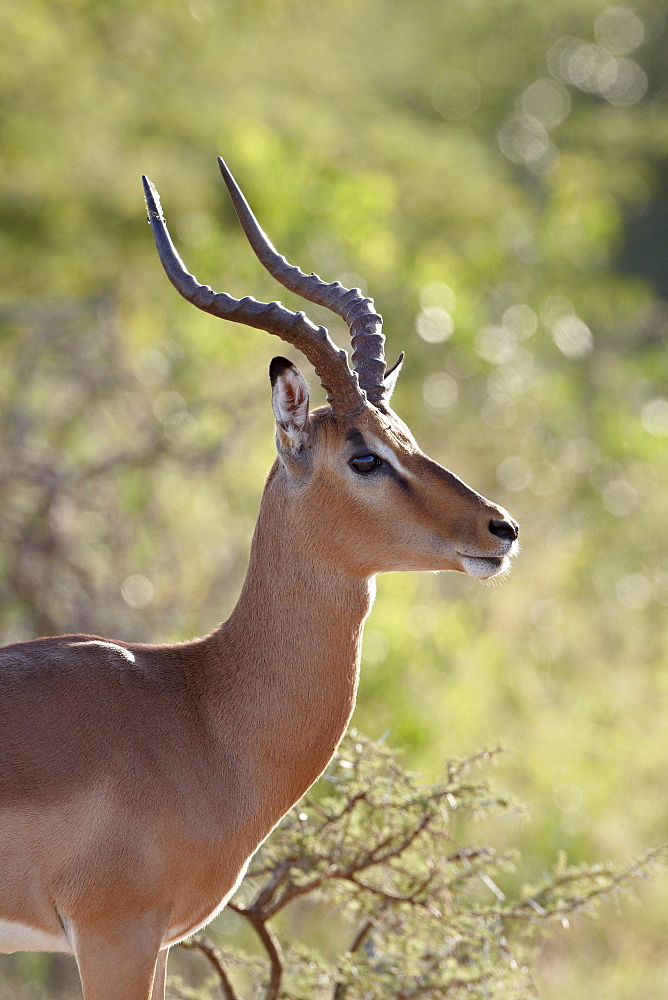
137	780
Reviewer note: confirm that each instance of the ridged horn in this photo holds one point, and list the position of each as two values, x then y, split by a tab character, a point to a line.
358	311
330	362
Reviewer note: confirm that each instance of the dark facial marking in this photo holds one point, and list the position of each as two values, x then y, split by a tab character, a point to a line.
400	481
356	438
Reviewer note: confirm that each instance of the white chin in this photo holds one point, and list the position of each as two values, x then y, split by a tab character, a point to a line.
483	569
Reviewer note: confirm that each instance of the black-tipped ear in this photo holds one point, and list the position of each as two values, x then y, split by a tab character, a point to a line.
278	367
289	401
392	374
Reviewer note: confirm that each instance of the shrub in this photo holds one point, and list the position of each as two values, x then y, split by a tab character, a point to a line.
424	916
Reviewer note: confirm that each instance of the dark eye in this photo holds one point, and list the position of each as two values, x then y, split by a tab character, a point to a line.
364	464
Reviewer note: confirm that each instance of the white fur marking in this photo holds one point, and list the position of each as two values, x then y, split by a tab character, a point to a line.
19	937
121	650
290	399
482	568
383	451
289	402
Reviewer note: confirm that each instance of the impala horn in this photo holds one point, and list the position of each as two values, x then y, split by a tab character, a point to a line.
358	311
347	391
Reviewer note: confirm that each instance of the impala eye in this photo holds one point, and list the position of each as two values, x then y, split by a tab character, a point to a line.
364	464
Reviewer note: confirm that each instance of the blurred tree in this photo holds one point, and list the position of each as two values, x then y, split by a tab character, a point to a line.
496	173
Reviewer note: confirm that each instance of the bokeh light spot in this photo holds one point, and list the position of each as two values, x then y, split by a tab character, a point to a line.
619	30
655	416
623	83
496	344
439	391
521	319
375	647
547	102
573	337
620	497
434	324
137	591
524	140
633	591
456	95
514	473
437	293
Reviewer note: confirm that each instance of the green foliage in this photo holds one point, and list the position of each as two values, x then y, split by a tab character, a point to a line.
494	171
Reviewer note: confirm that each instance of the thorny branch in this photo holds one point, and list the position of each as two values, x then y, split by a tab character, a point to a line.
202	943
423	905
273	949
371	859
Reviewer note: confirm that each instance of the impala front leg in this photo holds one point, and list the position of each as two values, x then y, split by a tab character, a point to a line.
160	978
121	962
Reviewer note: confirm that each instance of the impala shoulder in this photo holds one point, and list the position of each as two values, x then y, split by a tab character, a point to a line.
112	647
68	653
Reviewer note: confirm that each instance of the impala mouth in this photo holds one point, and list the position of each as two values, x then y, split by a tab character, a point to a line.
484	567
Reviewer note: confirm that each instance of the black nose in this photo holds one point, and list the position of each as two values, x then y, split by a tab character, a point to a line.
504	529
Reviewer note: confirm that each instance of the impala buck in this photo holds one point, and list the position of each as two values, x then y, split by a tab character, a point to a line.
136	780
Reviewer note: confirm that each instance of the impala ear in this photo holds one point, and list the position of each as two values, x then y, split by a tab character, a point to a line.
289	401
392	374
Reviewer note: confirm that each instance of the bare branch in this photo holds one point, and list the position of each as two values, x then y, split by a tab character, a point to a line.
346	874
212	954
273	949
392	897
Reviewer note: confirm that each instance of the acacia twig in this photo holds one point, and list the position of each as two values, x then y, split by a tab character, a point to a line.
215	959
273	949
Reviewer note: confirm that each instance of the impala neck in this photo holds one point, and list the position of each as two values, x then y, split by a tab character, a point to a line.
294	638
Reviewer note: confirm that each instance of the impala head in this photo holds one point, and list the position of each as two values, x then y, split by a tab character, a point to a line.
361	489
